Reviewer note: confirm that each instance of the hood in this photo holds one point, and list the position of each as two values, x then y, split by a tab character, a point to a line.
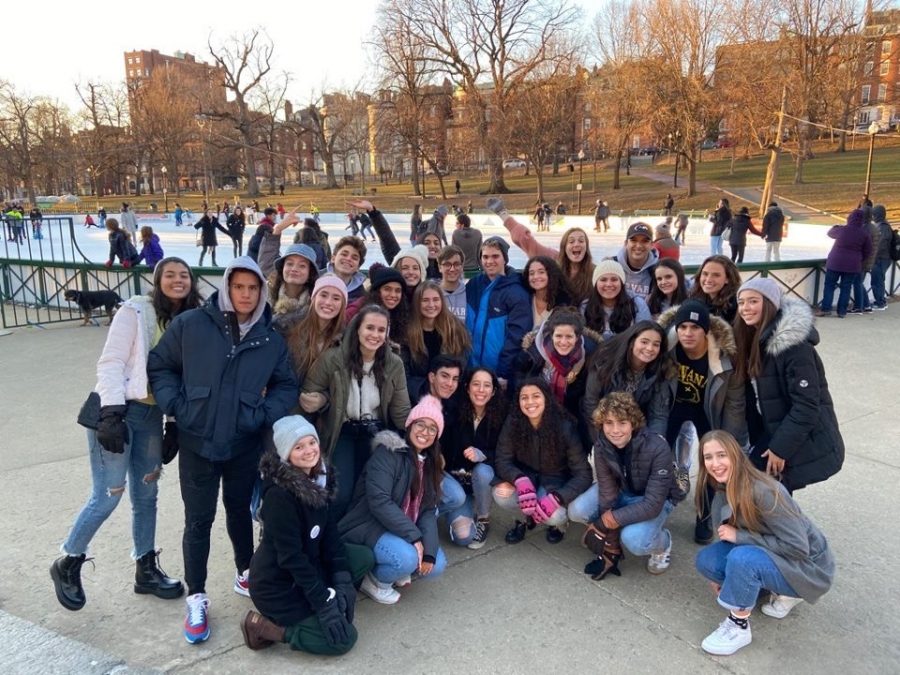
389	439
356	281
313	493
243	262
622	258
793	325
743	217
720	336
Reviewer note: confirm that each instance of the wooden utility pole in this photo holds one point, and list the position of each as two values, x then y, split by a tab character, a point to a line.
772	169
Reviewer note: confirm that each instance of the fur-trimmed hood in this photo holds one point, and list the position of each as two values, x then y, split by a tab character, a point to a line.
589	334
389	439
792	326
720	337
314	493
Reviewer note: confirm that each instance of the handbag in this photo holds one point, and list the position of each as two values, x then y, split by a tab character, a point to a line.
199	241
89	415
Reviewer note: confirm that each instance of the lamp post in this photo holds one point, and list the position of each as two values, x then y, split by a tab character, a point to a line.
580	176
165	189
873	130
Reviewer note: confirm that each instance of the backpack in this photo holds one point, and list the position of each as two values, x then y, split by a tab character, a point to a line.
894	250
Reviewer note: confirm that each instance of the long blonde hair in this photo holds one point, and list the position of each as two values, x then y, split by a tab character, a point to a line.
307	340
455	340
745	513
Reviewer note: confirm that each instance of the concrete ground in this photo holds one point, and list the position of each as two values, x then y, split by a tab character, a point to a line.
503	609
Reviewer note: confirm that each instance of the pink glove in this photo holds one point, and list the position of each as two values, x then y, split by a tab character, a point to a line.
527	495
126	264
108	263
545	508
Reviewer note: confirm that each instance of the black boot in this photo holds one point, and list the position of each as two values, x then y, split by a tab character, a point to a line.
554	535
149	578
66	575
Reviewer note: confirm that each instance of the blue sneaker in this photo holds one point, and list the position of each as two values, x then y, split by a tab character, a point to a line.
196	623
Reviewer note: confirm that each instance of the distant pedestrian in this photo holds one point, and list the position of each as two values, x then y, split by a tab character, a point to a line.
719	219
236	225
89	222
101	217
601	216
128	222
37	219
281	190
365	223
151	251
882	256
457	186
681	225
415	222
669	205
663	242
179	214
773	231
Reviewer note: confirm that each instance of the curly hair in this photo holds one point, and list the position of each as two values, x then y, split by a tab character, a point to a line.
494	410
355	243
557	287
620	406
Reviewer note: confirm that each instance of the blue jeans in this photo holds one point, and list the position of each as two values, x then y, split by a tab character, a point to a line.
455	506
396	558
715	245
141	464
879	271
860	293
846	280
742	572
641	538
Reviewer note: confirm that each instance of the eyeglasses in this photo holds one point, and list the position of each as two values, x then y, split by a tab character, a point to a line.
424	427
452	265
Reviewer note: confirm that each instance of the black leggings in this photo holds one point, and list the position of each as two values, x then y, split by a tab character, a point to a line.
737	253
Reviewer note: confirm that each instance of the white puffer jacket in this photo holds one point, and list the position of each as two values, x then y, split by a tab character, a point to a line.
122	368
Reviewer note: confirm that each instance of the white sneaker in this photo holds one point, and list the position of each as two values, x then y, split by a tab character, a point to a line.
659	562
727	638
403	582
385	595
779	606
242	583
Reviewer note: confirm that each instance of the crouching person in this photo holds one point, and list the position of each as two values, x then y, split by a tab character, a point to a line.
765	543
540	461
302	578
394	507
634	494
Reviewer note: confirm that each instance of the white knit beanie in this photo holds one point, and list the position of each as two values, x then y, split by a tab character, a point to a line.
287	431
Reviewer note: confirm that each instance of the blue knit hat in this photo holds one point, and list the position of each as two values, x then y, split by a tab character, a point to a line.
302	250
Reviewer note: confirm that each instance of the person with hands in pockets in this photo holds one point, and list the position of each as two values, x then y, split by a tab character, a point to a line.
302	576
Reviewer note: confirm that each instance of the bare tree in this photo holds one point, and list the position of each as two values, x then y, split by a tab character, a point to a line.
491	48
104	139
268	101
326	120
18	134
54	152
244	60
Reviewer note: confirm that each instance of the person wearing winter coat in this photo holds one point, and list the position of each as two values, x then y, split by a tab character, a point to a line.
224	373
861	302
613	307
290	286
37	220
715	284
394	510
634	494
638	258
349	255
766	543
265	228
415	224
120	245
664	244
312	235
208	224
236	224
719	219
739	225
468	239
794	431
498	311
453	284
882	261
128	445
302	577
559	351
540	461
773	231
128	222
151	251
359	388
545	283
852	245
636	362
707	393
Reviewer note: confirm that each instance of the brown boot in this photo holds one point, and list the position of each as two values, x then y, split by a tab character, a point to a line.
259	632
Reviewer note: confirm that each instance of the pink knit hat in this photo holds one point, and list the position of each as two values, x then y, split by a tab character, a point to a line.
331	281
429	407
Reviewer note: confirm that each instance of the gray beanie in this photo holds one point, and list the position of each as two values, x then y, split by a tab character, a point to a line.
287	431
766	287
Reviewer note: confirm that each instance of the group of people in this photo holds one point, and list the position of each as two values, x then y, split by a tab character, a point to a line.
13	215
733	228
367	421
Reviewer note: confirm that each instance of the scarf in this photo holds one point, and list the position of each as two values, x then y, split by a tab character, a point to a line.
285	304
563	369
411	505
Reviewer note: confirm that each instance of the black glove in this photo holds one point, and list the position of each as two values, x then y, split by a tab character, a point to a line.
333	623
170	442
346	594
112	433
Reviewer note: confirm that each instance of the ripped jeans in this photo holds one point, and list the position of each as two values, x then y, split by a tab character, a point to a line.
140	464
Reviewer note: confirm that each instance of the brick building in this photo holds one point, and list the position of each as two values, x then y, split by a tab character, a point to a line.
879	88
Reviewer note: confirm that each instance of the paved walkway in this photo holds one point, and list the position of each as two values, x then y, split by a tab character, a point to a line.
503	609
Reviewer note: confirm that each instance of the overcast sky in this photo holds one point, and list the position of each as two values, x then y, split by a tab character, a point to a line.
317	42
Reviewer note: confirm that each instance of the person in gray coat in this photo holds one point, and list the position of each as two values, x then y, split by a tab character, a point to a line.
765	543
882	262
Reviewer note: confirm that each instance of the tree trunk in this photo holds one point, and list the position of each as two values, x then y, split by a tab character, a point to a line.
617	168
692	172
497	185
801	158
414	177
250	170
539	174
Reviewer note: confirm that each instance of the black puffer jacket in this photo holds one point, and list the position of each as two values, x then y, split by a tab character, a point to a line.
294	566
653	396
740	225
378	500
720	219
644	467
561	468
790	409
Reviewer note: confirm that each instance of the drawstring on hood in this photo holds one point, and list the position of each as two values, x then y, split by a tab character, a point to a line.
247	264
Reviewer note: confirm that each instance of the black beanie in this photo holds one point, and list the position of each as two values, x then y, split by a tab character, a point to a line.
384	275
693	311
498	242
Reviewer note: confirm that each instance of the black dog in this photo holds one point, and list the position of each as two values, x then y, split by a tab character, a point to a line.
91	300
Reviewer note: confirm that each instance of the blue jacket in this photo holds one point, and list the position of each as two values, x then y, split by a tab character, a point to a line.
498	315
222	392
